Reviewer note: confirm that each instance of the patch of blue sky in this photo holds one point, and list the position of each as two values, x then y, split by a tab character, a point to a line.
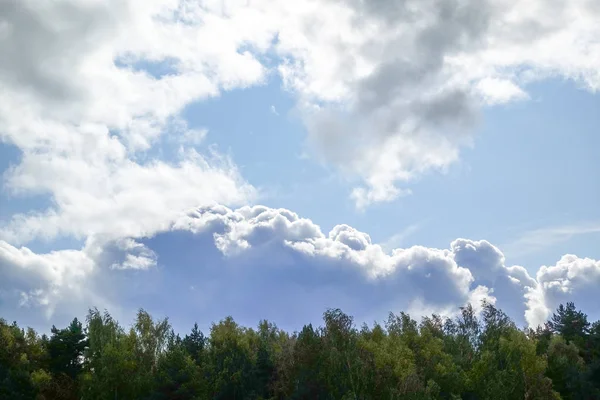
260	130
43	246
11	203
534	165
155	68
269	59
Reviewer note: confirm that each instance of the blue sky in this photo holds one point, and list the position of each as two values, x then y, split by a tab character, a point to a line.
201	161
527	162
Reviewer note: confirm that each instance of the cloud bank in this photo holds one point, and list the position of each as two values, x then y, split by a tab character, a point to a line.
258	262
92	91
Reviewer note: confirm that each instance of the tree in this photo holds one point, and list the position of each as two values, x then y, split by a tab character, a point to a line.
231	365
339	340
15	369
496	324
194	344
592	356
151	339
566	369
65	360
310	381
65	348
177	376
265	371
472	357
570	323
512	370
111	371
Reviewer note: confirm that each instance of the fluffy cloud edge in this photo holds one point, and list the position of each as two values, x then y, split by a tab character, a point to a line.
261	248
384	103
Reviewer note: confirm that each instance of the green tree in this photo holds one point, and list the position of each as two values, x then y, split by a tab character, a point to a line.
231	366
150	340
111	369
194	344
310	381
65	351
15	367
567	370
474	356
513	370
177	375
570	323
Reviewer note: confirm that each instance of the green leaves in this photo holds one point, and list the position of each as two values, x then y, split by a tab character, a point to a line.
570	323
65	349
472	356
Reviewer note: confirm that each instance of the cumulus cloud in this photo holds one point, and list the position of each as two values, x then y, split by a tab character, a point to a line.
391	89
571	279
388	91
117	198
511	285
416	278
43	280
81	102
258	262
61	284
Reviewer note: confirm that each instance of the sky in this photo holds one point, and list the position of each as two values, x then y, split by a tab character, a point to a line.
270	160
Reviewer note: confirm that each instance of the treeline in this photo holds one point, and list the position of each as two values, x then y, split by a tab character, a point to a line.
472	356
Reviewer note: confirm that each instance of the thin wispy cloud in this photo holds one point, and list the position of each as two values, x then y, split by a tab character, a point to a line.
537	240
399	239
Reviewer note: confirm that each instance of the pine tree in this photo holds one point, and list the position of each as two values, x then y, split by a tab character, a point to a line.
570	323
194	343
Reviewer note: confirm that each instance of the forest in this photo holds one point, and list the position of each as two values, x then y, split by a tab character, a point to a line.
475	355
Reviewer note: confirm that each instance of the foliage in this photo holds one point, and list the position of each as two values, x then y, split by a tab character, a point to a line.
475	355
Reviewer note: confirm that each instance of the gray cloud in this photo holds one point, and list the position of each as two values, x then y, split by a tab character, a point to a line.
43	45
258	262
407	77
389	91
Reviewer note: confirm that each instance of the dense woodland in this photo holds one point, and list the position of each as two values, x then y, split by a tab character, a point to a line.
473	356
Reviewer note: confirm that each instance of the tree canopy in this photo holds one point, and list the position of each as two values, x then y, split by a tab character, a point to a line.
475	355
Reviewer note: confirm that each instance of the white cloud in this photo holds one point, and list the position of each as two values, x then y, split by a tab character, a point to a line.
250	256
468	271
571	279
497	91
433	279
61	284
384	102
390	89
274	110
120	198
79	100
137	255
45	280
